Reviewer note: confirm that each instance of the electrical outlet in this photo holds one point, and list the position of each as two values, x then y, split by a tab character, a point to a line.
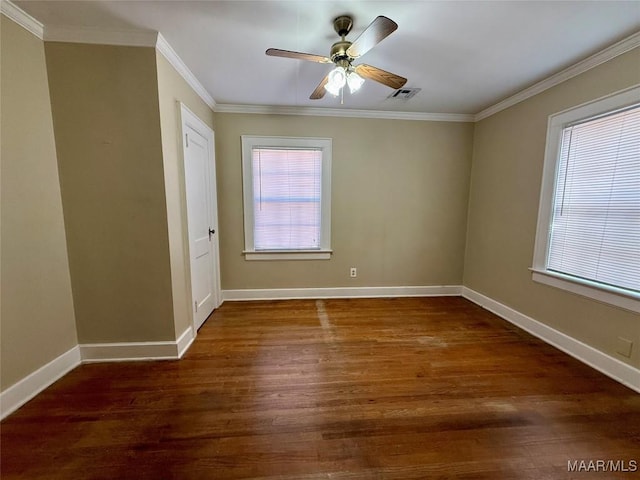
624	346
353	272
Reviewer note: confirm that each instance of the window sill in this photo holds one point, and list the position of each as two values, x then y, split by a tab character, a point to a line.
601	293
288	255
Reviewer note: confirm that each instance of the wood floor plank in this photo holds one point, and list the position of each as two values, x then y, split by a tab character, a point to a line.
407	388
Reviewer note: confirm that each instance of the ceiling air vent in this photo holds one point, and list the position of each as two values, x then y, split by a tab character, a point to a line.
404	93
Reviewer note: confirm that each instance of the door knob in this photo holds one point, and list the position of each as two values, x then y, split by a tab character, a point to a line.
211	232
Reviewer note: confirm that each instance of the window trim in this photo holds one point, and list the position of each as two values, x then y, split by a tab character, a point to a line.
325	145
557	122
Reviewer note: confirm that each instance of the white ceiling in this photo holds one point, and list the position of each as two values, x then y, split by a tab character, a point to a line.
464	55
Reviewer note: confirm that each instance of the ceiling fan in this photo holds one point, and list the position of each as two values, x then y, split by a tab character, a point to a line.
343	53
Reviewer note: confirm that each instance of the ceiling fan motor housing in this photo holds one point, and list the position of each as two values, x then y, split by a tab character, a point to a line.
339	51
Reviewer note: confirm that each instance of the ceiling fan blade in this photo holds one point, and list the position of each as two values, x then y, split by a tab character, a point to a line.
276	52
320	90
381	76
377	31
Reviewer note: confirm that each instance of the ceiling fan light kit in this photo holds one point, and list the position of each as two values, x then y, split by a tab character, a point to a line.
340	76
342	55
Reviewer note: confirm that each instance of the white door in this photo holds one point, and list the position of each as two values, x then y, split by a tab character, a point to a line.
199	168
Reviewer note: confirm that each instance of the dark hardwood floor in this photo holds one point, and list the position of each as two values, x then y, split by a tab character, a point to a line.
332	389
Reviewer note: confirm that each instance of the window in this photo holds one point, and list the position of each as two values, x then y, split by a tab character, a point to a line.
588	237
287	198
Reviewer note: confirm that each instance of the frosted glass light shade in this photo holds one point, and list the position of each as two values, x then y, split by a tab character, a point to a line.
354	81
337	80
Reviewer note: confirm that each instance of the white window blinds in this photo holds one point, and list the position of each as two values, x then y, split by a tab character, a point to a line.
287	198
595	227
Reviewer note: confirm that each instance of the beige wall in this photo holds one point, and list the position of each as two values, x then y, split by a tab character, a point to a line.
503	208
399	202
172	89
107	125
37	320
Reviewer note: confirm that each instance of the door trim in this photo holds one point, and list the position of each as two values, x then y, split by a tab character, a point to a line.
191	120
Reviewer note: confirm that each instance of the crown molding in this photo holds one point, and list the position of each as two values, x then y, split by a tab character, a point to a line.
623	46
174	59
100	36
337	112
22	18
156	40
129	38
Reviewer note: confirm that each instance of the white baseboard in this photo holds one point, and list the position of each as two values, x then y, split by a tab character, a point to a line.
612	367
17	395
340	292
136	351
20	393
184	341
